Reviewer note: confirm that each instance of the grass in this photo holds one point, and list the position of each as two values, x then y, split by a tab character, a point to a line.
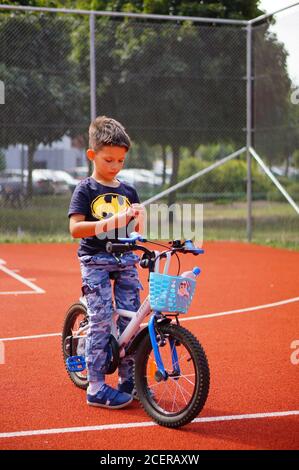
45	220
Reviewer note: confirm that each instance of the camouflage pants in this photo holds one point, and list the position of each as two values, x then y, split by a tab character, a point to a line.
98	291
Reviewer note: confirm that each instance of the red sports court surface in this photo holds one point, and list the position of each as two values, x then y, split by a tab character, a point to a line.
245	313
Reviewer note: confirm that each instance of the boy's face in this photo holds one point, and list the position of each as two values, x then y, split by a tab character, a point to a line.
108	161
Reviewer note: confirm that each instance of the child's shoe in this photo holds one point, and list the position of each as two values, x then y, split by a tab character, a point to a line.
108	397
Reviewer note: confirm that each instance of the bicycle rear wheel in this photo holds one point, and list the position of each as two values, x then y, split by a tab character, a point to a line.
177	400
76	318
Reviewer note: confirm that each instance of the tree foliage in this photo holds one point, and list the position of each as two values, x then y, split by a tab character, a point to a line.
176	84
36	67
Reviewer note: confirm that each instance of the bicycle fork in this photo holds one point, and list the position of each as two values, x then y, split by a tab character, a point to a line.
161	373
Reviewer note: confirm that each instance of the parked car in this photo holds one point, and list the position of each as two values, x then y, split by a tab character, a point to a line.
14	181
58	182
140	178
64	176
12	191
137	177
79	172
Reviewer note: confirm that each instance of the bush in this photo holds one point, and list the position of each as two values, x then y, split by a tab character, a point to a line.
225	182
292	188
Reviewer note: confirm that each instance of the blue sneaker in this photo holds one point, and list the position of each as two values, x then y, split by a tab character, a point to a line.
108	397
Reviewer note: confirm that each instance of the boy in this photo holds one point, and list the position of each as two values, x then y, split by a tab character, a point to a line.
101	208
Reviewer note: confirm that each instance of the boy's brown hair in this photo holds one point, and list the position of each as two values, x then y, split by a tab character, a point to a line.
107	131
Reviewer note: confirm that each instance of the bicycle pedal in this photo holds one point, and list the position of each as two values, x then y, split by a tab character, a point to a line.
76	363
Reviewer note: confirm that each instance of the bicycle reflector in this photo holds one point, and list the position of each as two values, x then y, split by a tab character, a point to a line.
76	363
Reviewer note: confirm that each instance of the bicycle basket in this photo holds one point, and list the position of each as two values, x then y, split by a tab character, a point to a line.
170	293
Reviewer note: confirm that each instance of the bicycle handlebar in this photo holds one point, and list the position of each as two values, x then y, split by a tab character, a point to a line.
118	247
129	243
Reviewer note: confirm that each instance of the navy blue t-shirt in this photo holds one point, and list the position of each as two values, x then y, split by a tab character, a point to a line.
98	202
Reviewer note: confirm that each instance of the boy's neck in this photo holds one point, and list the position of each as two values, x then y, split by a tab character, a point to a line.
114	183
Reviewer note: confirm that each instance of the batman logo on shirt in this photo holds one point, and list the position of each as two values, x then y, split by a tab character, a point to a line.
109	204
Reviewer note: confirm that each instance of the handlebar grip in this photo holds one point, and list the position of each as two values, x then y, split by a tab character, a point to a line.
117	247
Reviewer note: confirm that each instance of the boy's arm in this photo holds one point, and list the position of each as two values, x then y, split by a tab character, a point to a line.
80	228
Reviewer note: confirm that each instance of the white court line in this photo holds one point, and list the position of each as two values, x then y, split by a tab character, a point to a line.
248	309
107	427
200	317
17	338
27	282
21	292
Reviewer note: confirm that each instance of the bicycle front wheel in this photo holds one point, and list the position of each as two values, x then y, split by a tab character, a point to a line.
178	399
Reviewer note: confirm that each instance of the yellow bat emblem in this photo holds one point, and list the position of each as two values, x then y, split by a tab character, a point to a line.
106	205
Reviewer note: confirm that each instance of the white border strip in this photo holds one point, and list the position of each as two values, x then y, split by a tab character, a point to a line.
20	292
107	427
241	310
9	272
17	338
199	317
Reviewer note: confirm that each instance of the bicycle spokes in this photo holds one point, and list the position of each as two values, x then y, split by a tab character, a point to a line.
175	392
152	368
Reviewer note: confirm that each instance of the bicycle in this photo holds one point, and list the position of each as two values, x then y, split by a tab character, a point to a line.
171	369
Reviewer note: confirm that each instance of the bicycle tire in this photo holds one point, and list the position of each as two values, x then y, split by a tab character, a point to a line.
72	314
148	394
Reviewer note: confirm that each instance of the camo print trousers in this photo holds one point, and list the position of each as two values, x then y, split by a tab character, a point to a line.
97	289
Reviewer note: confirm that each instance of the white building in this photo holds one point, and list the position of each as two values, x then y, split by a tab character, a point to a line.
60	155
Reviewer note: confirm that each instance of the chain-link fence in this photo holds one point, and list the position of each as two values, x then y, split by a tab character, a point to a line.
179	87
276	125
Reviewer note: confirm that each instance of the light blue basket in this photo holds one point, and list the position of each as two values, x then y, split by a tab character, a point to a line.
170	293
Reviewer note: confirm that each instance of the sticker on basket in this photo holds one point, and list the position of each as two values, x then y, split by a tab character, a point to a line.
184	289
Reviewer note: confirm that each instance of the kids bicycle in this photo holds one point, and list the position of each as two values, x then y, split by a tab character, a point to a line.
171	369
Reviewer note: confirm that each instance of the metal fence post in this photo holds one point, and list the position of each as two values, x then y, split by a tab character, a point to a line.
93	111
249	127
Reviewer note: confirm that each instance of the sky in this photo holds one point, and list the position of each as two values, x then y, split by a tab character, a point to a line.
287	30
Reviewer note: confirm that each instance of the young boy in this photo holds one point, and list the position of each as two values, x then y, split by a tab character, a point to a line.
100	210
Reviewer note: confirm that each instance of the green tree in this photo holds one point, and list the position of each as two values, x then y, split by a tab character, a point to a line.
166	96
296	158
276	133
42	97
2	161
150	78
179	84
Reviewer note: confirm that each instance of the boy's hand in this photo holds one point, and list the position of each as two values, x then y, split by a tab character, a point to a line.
135	210
121	219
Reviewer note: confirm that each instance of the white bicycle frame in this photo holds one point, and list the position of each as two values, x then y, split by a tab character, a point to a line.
136	318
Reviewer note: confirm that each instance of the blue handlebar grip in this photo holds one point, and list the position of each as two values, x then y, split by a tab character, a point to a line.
189	245
134	236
